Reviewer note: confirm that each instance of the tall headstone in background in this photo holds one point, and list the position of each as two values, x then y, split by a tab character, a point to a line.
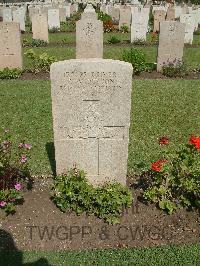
40	27
73	8
89	35
62	14
189	21
139	25
196	14
7	15
53	18
115	14
159	16
171	43
18	16
33	11
10	45
95	135
178	11
67	9
170	14
125	17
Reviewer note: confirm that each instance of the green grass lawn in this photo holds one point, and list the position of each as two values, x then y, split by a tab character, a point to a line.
159	107
70	37
191	55
174	255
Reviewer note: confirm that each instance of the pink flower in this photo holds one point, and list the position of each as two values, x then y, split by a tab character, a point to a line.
27	146
23	159
18	186
2	203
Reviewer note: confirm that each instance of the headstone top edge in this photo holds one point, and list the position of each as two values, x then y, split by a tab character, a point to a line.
92	60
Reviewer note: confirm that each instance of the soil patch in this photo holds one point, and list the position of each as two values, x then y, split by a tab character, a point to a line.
145	75
39	225
43	75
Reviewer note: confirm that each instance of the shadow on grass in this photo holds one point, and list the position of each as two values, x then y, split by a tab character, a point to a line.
10	255
51	154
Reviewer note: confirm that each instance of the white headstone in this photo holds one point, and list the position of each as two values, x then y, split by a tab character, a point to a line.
53	18
91	103
189	21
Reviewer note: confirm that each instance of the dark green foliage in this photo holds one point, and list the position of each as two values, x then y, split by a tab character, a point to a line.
34	43
73	192
136	58
113	40
40	62
176	69
13	172
7	73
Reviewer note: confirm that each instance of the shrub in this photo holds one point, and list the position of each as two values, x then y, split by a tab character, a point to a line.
14	173
68	26
151	18
73	192
175	179
151	67
54	30
40	62
104	17
76	16
34	43
108	26
175	69
136	58
124	29
28	25
197	32
113	40
7	73
154	37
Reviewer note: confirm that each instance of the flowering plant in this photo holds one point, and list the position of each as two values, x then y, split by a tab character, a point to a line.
175	178
14	173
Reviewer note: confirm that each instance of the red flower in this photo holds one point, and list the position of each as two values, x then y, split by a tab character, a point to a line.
164	140
195	141
157	166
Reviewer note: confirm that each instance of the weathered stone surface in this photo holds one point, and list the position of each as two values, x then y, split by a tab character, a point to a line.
62	14
139	24
33	11
91	102
89	37
171	43
189	21
10	45
19	17
40	27
115	14
170	14
7	15
125	16
178	11
53	18
159	16
89	13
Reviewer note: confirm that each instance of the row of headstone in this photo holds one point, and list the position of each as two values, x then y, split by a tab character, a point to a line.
54	13
89	38
136	18
95	135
